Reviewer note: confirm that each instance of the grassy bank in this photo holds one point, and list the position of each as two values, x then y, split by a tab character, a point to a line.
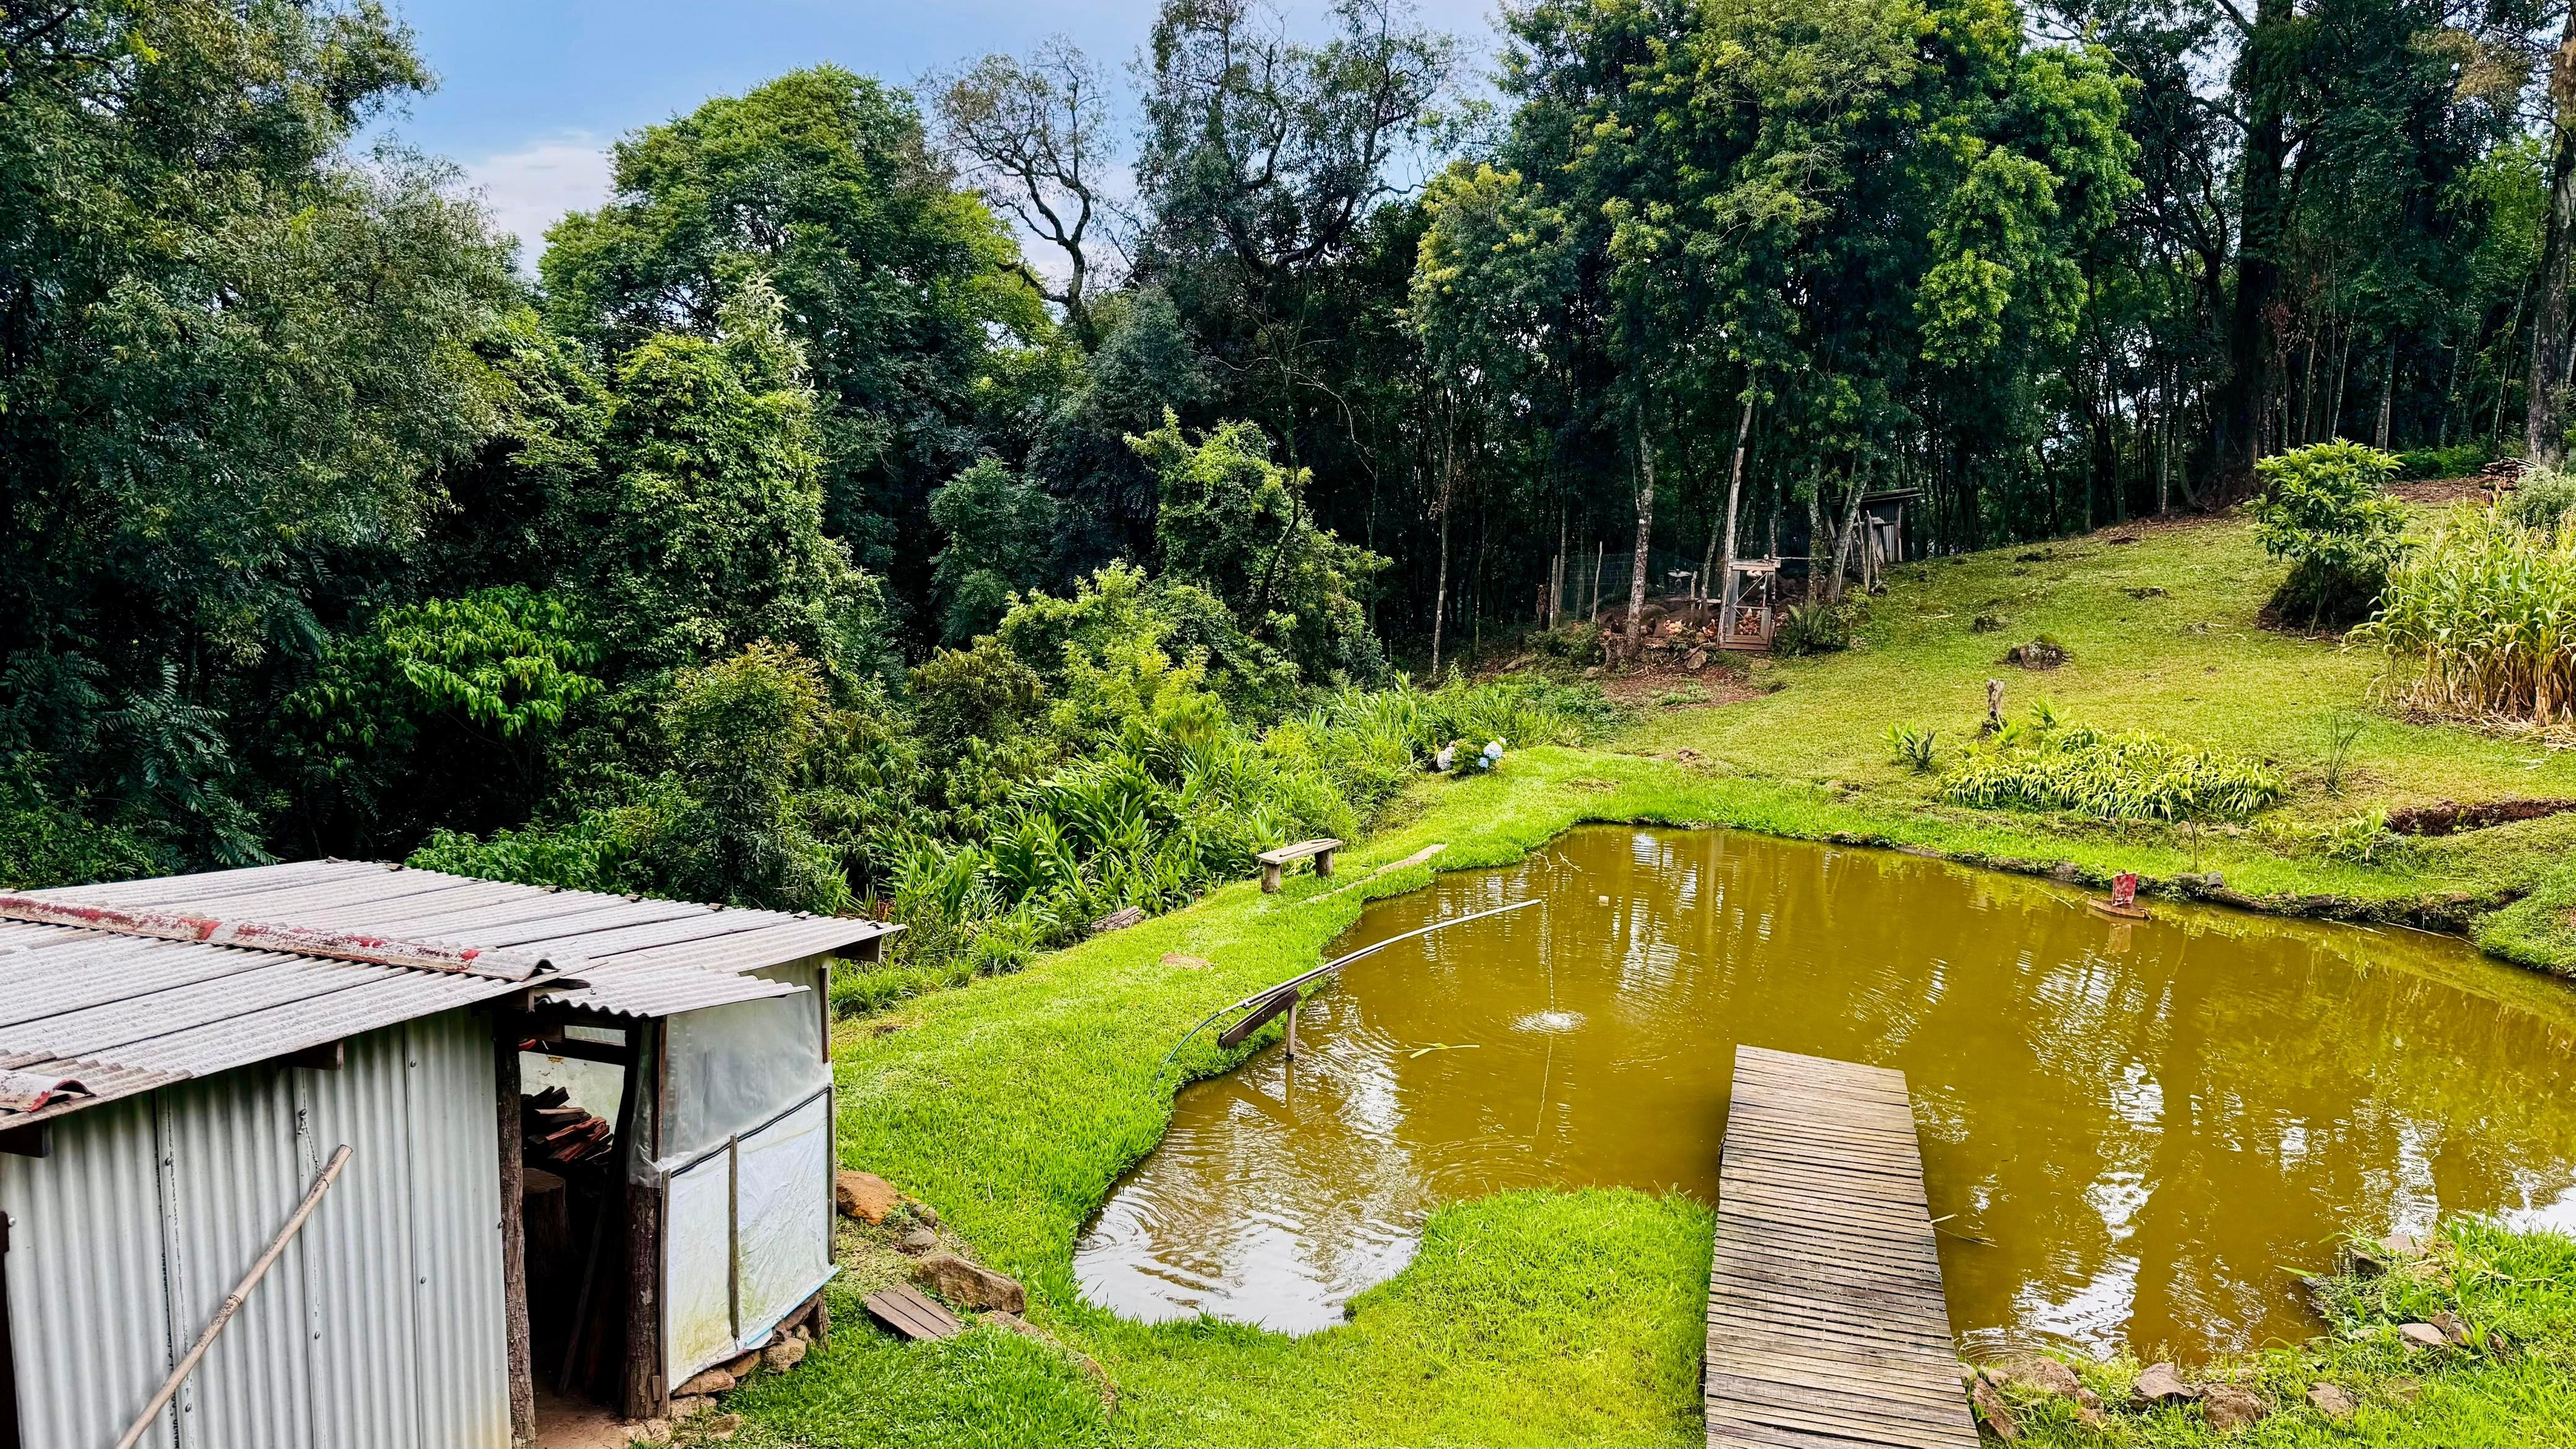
1011	1105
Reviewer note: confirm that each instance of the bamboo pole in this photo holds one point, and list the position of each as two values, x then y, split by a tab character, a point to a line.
232	1305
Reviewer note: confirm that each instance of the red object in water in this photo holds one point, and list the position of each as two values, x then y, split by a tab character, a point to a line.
2124	888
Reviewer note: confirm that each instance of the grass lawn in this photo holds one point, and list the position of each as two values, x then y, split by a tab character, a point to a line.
1011	1105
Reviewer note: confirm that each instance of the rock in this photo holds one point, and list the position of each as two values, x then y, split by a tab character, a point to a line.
724	1426
1183	961
1120	919
918	1242
864	1195
929	1215
2452	1328
2357	1262
2331	1401
2402	1245
783	1355
2230	1408
2497	1346
713	1381
2422	1335
2160	1384
690	1407
1990	1407
2037	1373
651	1431
969	1285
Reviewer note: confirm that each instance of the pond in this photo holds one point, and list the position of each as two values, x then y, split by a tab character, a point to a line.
2134	1134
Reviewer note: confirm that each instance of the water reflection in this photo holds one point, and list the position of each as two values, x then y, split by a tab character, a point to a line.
2136	1130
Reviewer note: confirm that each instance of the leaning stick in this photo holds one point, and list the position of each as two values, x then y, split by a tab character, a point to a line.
241	1291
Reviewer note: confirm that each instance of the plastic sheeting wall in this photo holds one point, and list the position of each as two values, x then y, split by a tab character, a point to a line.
380	1326
748	1171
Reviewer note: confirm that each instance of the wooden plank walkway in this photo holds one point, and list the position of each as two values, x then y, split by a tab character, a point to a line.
1826	1324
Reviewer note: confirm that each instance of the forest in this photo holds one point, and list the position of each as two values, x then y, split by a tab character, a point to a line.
999	498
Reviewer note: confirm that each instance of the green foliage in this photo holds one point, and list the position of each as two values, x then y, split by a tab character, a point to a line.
2048	764
438	712
1001	531
2478	620
1238	525
45	841
2544	498
2325	509
2362	839
1817	627
2459	460
1914	745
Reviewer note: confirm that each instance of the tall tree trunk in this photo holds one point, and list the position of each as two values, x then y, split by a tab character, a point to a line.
2544	428
1645	531
1734	491
2238	421
2387	395
1850	529
1440	594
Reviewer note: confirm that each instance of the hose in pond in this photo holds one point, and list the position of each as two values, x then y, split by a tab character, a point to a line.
1272	993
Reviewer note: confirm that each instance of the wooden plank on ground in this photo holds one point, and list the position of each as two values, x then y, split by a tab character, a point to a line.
1826	1323
906	1310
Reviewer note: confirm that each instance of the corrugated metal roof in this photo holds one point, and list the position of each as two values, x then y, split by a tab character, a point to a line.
124	1013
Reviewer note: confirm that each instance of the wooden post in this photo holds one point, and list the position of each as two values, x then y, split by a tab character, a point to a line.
507	1030
1292	1031
646	1392
8	1372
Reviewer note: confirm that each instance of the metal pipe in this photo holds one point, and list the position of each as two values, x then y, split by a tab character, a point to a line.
232	1305
1336	964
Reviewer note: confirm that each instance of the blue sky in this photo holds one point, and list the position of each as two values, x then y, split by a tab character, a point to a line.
531	92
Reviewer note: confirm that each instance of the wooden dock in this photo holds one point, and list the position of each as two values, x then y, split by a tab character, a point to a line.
1826	1324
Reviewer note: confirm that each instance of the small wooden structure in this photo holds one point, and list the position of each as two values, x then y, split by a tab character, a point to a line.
1275	863
1826	1321
910	1313
1746	625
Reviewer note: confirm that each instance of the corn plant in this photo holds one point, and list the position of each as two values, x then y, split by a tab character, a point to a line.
1913	745
2479	621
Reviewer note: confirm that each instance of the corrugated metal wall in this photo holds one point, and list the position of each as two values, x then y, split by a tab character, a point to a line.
382	1326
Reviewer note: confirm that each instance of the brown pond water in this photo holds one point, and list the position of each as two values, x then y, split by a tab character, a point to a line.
2137	1132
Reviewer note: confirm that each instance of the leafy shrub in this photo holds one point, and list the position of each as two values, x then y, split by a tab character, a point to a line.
47	841
2483	614
1913	745
2326	511
2544	498
2048	764
2362	839
1815	628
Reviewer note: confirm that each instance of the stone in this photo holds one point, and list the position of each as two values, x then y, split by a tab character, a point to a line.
2363	1263
2422	1335
2452	1328
864	1195
2402	1245
783	1355
2331	1401
2161	1384
1184	961
723	1426
918	1242
712	1381
929	1215
1991	1408
2037	1373
2230	1408
2497	1346
969	1285
651	1431
743	1367
690	1407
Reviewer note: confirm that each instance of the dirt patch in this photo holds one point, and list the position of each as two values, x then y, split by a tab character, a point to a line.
2442	490
1673	687
2449	817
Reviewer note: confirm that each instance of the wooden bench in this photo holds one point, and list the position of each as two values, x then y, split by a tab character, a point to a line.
1275	863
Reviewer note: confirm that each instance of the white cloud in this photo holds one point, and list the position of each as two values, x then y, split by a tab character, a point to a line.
531	188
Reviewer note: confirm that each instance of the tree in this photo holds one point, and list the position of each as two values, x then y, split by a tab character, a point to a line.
821	184
232	362
1035	135
1235	524
1001	532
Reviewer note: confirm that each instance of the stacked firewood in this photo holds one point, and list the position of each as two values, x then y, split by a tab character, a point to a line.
553	1130
2501	474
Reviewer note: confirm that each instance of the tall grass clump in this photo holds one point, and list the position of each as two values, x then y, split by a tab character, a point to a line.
2479	621
2049	764
2543	498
